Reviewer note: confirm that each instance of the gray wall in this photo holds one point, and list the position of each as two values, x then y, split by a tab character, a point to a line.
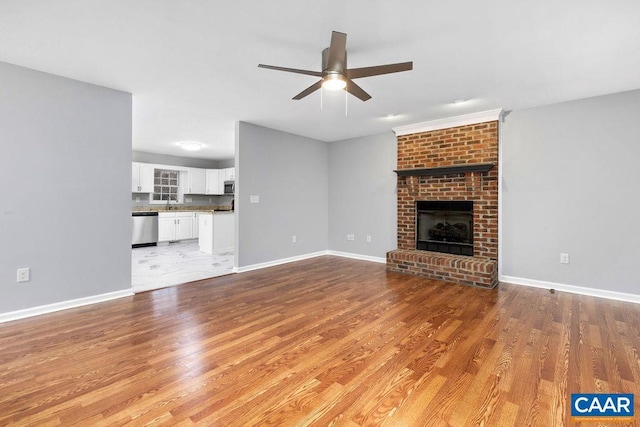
362	194
289	174
571	183
65	156
165	159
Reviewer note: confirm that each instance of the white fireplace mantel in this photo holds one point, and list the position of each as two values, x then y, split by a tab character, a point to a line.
449	122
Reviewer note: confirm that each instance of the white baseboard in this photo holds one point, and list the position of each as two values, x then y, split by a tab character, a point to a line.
280	261
151	287
358	256
64	305
600	293
307	256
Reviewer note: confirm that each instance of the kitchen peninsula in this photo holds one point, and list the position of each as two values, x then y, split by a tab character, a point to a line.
216	231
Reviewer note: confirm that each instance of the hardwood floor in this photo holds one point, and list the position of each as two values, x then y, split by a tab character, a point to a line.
326	341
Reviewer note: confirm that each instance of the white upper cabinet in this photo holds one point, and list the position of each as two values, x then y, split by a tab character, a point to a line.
196	181
229	174
141	178
191	181
215	183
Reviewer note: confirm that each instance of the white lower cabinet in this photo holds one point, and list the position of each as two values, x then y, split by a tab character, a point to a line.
184	225
176	226
166	227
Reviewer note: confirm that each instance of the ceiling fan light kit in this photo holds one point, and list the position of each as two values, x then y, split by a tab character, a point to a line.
335	75
333	81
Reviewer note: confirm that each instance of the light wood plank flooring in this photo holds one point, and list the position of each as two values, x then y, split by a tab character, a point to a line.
326	341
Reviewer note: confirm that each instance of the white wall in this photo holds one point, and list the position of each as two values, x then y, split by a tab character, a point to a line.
362	195
289	174
65	185
570	184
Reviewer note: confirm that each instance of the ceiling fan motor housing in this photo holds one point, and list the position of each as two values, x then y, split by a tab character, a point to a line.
338	67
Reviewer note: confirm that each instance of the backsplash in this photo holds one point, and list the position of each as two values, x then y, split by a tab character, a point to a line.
216	202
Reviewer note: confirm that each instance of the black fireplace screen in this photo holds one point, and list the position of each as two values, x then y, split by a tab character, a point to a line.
445	227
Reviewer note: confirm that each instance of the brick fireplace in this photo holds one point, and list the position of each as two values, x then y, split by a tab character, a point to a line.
449	161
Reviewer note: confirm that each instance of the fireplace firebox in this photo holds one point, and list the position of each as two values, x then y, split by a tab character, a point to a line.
445	226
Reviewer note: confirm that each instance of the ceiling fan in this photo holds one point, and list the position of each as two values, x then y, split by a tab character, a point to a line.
335	75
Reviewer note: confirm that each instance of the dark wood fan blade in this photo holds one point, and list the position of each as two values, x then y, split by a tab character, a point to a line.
314	87
292	70
356	91
337	52
356	73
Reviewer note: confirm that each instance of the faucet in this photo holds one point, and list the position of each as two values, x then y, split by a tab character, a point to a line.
168	203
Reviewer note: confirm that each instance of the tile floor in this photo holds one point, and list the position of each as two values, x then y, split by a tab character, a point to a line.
156	267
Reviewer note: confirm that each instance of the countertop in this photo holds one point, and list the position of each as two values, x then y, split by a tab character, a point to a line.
163	208
210	212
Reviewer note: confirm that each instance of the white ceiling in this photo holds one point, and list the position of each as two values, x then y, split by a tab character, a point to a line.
191	65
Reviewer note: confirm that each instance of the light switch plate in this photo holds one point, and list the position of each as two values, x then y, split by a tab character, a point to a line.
254	199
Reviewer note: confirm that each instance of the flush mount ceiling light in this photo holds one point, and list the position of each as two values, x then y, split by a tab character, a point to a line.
190	145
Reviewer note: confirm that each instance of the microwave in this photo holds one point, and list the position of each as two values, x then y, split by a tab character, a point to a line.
229	187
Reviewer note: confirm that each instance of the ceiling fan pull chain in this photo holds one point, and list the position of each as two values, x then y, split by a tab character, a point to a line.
346	102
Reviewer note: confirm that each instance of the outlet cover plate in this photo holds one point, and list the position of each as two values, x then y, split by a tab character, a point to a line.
23	275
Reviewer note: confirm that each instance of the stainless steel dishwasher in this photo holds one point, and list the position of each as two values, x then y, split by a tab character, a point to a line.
145	229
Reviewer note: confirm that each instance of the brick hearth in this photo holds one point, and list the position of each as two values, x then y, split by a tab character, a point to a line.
462	145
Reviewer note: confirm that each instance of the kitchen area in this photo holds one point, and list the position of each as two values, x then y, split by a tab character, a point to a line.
183	222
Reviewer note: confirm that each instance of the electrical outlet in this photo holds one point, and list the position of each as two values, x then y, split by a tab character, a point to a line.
351	237
369	239
137	199
294	239
564	258
188	199
254	199
23	275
